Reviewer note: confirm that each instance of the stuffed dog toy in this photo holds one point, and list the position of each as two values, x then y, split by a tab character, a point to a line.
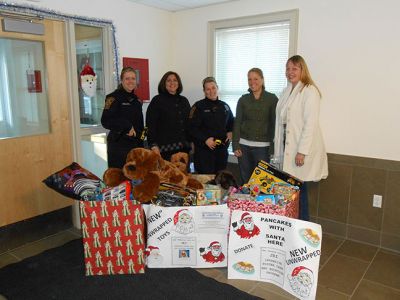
146	169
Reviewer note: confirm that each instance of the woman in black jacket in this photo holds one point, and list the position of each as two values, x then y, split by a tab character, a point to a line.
210	125
123	116
167	118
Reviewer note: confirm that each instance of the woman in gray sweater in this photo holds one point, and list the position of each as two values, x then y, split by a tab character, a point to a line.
254	125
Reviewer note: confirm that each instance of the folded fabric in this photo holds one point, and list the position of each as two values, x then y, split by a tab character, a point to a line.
74	182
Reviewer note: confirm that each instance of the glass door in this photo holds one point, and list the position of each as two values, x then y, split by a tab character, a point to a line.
89	61
91	75
91	91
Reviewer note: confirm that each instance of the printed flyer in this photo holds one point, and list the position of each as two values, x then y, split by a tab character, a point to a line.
187	236
275	249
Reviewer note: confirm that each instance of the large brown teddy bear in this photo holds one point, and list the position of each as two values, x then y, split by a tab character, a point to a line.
147	169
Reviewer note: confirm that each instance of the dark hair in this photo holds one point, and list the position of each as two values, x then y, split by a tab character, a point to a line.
161	86
209	79
123	71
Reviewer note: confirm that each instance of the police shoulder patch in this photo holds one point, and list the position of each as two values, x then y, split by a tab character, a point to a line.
109	102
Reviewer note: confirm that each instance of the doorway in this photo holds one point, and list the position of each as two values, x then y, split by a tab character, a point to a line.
35	121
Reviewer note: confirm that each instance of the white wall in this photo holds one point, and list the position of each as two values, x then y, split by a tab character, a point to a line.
352	49
141	31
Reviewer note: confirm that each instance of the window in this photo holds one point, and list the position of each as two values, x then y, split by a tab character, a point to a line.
89	54
23	91
237	45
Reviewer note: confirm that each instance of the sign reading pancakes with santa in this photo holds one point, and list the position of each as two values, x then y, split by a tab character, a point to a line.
276	249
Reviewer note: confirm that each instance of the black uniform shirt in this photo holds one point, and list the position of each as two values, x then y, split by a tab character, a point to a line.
122	111
210	118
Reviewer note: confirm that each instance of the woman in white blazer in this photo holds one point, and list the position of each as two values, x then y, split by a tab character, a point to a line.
299	146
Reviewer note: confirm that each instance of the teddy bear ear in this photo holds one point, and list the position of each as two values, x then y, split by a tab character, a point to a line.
138	155
181	157
132	155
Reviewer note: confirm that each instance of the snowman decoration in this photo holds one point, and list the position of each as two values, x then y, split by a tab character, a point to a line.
88	80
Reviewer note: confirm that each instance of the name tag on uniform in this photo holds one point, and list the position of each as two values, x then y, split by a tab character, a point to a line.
207	110
126	103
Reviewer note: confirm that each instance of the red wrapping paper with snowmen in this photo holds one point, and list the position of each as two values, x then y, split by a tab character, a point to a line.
113	237
276	249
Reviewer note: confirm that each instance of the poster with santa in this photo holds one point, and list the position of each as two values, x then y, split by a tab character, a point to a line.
187	236
275	249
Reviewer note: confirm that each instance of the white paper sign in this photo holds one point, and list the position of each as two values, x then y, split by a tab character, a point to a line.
276	249
192	236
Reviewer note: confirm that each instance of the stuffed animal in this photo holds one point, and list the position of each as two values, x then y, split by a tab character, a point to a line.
225	179
181	160
147	170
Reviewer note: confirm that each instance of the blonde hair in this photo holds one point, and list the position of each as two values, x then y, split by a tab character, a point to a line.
305	76
123	72
259	72
208	80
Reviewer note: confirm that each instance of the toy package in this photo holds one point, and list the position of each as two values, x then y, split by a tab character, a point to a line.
174	195
210	195
265	175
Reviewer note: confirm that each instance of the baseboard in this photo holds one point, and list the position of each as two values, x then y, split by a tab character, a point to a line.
29	230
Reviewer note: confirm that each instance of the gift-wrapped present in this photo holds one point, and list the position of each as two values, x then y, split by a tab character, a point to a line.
113	237
264	175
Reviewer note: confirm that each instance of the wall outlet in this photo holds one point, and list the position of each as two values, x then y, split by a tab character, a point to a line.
377	201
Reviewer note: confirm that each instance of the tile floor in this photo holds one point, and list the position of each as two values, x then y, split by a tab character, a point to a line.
348	270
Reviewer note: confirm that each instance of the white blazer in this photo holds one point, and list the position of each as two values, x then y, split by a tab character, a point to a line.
303	133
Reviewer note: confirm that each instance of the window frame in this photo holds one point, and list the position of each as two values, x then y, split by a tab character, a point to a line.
291	15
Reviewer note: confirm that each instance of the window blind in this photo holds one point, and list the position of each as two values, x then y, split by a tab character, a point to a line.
238	49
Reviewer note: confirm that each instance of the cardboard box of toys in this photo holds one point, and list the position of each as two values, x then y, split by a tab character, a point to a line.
189	236
265	175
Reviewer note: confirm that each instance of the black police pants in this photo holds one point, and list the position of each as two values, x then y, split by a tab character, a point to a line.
207	161
117	152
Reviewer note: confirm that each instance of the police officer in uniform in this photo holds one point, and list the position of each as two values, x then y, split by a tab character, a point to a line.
210	125
123	116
